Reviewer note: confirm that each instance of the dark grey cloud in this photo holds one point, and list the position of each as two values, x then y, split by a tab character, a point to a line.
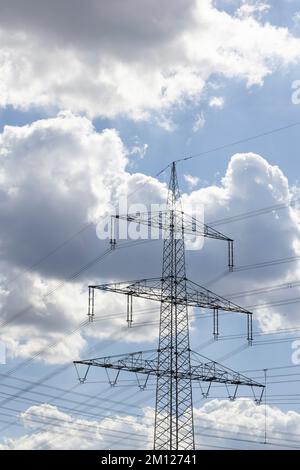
122	26
135	58
70	176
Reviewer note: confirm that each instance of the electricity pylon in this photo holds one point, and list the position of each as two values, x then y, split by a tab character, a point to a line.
174	364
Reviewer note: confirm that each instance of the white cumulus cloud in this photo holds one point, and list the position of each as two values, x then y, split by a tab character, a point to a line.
139	62
238	424
216	102
72	175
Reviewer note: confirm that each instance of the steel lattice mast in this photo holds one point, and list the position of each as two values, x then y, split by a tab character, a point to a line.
174	364
174	427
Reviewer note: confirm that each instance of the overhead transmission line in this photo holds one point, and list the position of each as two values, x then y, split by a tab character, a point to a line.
256	136
186	158
238	142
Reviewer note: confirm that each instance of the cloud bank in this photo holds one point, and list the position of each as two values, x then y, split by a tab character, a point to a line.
146	60
72	175
47	427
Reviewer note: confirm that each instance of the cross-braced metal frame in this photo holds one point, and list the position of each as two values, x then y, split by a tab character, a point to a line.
174	405
173	368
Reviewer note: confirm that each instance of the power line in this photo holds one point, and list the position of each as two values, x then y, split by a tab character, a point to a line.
266	263
218	222
96	426
86	267
75	275
56	372
264	290
237	142
75	234
253	213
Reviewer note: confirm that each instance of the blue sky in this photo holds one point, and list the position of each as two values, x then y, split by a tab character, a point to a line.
74	122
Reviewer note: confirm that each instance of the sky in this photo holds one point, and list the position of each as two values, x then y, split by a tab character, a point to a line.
96	99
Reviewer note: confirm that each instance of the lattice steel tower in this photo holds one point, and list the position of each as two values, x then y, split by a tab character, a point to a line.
174	404
174	364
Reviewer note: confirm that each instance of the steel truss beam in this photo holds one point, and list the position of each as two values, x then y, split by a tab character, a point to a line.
194	296
145	362
160	220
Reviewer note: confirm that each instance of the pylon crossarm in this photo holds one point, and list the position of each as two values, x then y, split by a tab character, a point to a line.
160	220
195	296
206	373
182	224
145	288
198	296
204	370
133	362
193	226
212	371
138	366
